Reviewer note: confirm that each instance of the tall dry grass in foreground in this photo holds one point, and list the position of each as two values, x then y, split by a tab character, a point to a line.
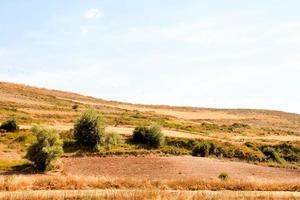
144	194
23	182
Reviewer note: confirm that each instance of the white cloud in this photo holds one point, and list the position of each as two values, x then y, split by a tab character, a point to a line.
92	13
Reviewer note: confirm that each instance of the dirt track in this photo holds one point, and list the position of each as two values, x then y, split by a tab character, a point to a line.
154	167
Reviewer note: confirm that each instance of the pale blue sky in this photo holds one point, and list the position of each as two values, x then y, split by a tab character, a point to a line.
217	53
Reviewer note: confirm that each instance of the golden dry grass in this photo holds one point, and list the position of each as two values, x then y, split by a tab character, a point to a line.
144	194
59	182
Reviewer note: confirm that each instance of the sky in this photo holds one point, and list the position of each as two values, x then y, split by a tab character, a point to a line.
217	53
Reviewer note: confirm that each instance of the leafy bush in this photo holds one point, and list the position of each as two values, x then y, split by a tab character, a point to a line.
111	138
203	149
246	153
46	149
223	176
272	154
154	136
288	152
89	128
10	125
151	136
139	135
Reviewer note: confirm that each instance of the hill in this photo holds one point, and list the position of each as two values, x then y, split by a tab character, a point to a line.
38	105
239	138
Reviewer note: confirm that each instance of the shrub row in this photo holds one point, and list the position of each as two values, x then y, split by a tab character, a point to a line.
249	151
206	148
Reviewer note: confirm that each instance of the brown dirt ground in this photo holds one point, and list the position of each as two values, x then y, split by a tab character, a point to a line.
155	167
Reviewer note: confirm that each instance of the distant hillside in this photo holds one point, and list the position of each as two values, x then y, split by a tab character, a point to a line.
38	105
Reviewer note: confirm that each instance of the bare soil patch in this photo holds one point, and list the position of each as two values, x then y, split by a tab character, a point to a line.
155	167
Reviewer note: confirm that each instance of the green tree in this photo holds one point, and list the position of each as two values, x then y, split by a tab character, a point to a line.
89	128
46	149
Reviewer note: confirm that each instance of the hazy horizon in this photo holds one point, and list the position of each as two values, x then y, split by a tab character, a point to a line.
212	54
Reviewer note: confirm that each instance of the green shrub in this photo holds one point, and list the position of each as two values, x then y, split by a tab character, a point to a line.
46	149
10	126
151	136
110	139
271	153
223	176
154	136
89	128
203	149
139	135
288	152
246	153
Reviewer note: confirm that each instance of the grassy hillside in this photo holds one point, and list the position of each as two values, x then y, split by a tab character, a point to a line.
256	136
37	105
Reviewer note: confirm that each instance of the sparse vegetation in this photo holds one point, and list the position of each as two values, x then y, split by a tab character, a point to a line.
17	141
151	136
89	128
46	149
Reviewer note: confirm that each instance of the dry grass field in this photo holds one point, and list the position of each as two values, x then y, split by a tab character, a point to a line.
129	171
146	194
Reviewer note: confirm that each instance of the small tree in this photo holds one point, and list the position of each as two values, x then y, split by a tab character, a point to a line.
89	128
10	125
151	136
46	149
